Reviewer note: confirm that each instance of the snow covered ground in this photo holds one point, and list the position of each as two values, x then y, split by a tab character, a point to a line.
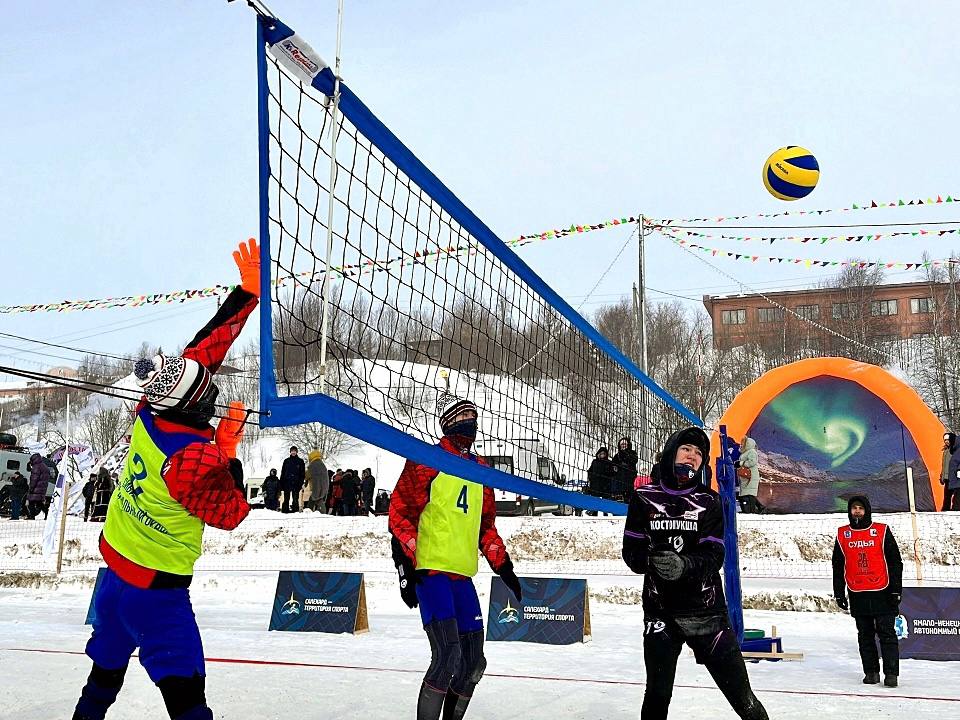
253	673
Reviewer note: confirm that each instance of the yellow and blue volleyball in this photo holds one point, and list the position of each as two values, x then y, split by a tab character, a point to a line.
791	173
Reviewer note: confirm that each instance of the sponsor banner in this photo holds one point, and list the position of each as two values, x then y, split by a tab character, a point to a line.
928	625
328	602
298	57
554	611
91	611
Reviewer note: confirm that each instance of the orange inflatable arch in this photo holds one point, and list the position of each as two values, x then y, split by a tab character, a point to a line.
924	427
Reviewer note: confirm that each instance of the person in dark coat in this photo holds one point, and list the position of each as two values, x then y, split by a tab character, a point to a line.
948	473
368	484
351	492
19	487
600	474
88	487
673	536
292	474
39	478
102	490
868	570
625	463
271	490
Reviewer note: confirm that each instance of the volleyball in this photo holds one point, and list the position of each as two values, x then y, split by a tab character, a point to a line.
791	173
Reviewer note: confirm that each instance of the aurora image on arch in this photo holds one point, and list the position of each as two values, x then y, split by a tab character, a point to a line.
826	438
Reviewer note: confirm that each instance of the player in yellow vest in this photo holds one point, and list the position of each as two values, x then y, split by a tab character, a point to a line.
180	475
866	562
438	522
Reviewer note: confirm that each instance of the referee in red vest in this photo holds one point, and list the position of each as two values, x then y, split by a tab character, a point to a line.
867	565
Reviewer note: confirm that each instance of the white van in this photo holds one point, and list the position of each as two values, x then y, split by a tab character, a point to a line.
526	458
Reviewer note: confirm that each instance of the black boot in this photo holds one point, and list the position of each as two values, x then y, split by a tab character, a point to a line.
890	680
454	706
429	703
871	678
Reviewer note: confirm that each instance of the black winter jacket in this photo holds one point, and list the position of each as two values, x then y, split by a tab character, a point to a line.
688	520
871	602
292	473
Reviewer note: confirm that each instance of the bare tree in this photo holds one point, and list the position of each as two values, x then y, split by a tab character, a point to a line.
104	426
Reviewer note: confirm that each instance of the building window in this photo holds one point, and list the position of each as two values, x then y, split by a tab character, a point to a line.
883	307
808	312
768	315
844	310
923	337
734	317
921	306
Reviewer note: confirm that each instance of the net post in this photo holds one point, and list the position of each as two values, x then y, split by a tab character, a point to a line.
726	480
913	522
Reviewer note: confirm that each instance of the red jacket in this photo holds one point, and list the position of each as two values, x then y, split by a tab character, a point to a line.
198	475
411	495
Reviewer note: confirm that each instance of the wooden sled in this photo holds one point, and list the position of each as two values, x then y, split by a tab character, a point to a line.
767	648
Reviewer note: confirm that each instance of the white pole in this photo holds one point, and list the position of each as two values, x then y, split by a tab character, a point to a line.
330	203
65	490
913	522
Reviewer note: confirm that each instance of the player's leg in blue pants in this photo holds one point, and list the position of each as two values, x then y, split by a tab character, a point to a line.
162	624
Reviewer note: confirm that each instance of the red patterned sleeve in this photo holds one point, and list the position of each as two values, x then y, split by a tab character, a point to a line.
491	544
212	343
406	504
198	478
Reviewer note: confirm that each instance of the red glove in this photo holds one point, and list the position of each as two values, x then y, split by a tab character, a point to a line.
247	258
230	430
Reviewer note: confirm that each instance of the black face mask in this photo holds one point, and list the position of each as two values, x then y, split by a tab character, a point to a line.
465	430
858	523
684	473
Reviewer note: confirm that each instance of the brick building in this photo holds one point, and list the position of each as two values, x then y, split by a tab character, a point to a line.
871	314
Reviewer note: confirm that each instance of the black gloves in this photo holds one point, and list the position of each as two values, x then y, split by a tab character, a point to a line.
842	602
235	468
667	564
510	578
407	574
408	584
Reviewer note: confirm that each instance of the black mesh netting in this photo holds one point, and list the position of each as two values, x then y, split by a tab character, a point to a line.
417	306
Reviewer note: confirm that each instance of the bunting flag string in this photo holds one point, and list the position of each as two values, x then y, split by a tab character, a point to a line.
870	205
817	240
809	262
181	296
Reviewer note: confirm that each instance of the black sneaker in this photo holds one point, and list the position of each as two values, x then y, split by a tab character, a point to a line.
872	678
890	680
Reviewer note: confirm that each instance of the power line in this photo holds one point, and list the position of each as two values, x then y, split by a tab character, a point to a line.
666	226
98	388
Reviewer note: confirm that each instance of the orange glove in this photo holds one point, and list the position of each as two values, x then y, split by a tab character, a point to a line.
230	430
247	258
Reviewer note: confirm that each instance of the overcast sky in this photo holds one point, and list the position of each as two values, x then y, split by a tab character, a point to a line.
130	155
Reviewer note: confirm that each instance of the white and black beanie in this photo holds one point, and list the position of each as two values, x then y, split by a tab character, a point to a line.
449	406
171	381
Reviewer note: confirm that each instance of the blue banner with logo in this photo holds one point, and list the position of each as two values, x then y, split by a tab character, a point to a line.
928	625
319	602
91	610
554	611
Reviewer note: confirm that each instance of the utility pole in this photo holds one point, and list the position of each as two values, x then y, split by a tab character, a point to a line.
641	312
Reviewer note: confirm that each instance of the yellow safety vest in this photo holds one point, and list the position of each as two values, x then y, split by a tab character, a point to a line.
448	534
144	523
